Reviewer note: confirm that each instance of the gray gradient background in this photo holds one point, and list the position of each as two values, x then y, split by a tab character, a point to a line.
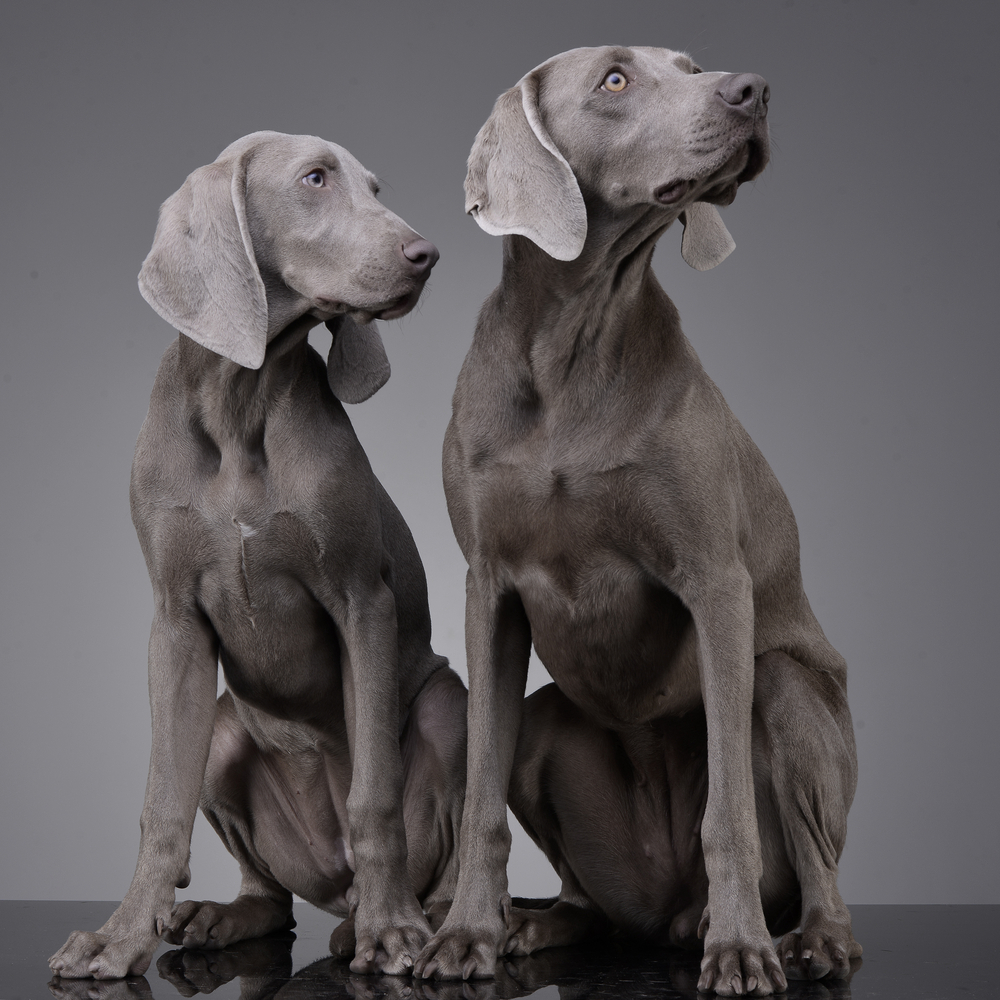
853	332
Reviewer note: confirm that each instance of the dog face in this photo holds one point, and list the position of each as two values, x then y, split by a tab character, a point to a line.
627	133
318	229
647	126
277	228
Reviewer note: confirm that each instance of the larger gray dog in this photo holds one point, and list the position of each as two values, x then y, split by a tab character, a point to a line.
691	772
272	547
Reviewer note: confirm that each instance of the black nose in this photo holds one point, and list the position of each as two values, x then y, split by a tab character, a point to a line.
420	256
745	92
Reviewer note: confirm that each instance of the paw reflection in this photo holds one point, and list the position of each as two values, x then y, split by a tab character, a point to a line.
263	968
132	988
267	960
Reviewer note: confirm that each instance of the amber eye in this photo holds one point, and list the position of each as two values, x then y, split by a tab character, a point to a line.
313	179
615	82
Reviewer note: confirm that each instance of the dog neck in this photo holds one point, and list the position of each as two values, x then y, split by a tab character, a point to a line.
589	320
231	401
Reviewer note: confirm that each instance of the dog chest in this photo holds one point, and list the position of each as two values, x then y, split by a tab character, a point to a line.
621	650
257	582
603	620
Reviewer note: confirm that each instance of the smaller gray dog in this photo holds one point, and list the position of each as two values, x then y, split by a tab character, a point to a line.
272	548
690	771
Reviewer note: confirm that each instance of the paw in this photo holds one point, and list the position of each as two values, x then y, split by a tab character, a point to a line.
526	933
204	924
818	952
208	925
87	955
736	969
461	953
562	924
343	942
391	950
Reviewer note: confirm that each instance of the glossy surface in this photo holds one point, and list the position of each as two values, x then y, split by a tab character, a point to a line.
911	953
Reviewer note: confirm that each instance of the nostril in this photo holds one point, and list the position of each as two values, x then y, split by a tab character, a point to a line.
744	90
421	253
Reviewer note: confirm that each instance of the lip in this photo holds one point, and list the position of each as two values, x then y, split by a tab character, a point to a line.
757	156
329	309
744	165
401	306
669	194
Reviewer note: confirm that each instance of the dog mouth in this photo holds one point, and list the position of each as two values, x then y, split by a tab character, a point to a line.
748	162
400	306
744	165
670	194
327	308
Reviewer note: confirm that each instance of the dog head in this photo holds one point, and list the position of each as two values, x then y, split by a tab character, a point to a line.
278	228
628	133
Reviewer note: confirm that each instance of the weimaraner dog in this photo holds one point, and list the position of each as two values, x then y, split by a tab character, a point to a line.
272	548
690	771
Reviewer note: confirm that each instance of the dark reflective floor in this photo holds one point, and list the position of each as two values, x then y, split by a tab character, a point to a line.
911	953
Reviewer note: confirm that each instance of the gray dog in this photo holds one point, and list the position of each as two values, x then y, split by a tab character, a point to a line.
273	549
690	772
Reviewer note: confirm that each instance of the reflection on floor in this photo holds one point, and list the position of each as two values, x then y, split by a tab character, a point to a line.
911	952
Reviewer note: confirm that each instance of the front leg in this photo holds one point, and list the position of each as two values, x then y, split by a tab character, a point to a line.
739	956
183	657
498	641
389	925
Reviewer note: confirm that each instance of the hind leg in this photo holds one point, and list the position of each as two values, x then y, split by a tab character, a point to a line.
432	747
618	815
805	770
260	908
282	843
550	726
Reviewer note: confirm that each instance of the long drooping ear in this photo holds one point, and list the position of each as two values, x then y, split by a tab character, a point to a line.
519	182
706	241
357	367
201	275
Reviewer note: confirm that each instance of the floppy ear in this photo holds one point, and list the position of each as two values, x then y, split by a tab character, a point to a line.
519	182
357	367
201	275
706	241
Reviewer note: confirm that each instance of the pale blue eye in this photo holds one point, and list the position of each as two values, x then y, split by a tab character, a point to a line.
313	179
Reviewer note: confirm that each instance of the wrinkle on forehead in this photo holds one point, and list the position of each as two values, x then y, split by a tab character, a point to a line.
610	53
672	57
619	53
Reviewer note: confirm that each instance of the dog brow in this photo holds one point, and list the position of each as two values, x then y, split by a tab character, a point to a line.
620	53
